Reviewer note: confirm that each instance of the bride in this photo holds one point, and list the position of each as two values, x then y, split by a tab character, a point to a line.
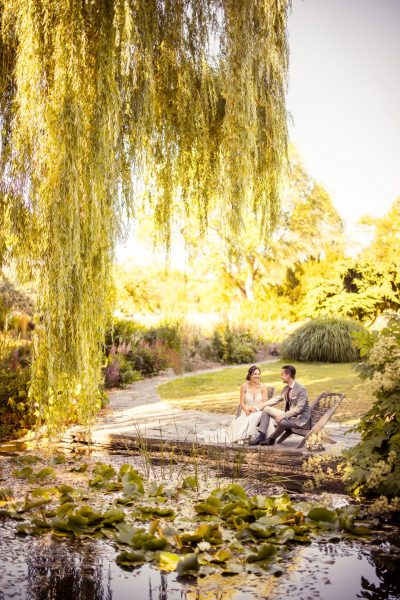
253	398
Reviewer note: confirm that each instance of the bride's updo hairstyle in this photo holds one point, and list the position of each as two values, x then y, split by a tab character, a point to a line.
251	371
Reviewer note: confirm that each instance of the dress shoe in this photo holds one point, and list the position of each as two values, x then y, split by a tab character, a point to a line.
259	440
267	442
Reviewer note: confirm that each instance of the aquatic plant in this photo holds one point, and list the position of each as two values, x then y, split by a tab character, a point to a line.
223	530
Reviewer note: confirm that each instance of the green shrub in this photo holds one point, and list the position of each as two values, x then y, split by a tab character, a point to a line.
373	465
233	346
167	334
147	360
15	415
119	372
326	339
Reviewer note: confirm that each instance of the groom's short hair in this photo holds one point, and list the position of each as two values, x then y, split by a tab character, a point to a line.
289	370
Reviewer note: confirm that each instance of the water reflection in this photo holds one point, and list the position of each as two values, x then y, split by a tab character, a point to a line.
54	568
388	575
56	572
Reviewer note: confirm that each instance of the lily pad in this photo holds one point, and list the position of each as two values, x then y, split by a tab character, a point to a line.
188	565
322	514
129	559
167	561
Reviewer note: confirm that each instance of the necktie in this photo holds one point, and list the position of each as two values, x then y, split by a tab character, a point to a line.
289	393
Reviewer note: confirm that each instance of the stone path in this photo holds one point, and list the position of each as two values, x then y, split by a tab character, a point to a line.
138	411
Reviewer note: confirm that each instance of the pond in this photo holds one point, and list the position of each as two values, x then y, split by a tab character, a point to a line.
42	567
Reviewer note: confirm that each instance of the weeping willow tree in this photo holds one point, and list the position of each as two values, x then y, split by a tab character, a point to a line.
182	98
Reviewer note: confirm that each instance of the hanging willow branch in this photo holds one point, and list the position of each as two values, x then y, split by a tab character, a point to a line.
185	97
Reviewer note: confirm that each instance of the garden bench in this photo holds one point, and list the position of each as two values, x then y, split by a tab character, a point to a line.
321	411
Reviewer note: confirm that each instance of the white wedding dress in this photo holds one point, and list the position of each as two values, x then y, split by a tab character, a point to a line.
241	428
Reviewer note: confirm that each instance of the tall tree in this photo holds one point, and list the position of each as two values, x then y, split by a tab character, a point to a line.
185	98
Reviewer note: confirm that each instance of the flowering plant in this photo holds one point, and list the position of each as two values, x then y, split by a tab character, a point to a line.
373	466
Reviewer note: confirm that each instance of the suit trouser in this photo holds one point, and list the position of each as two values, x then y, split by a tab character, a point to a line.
270	411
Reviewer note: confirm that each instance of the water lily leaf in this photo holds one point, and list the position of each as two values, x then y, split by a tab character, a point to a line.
283	503
155	489
169	531
26	459
44	492
260	531
6	494
221	556
260	501
103	475
190	483
40	523
230	492
188	565
25	528
271	520
210	506
58	459
207	532
126	533
284	535
302	539
266	551
155	544
167	561
113	515
77	521
59	524
45	473
232	568
87	512
322	514
131	481
65	508
79	468
239	508
24	473
157	510
34	503
130	558
361	530
139	538
104	471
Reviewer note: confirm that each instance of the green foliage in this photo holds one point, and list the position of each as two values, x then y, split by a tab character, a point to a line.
15	415
226	531
120	371
185	97
373	466
233	346
356	290
326	339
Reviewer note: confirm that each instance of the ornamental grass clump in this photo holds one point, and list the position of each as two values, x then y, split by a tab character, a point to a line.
326	339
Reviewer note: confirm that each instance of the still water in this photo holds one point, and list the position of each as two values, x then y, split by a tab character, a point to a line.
51	568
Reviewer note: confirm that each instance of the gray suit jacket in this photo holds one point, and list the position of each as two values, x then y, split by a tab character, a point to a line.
299	408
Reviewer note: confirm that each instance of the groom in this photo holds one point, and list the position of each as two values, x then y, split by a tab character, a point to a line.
296	414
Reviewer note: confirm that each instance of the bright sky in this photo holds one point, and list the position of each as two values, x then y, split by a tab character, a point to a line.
344	97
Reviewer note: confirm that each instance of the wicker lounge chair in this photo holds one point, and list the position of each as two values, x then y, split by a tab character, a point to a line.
322	410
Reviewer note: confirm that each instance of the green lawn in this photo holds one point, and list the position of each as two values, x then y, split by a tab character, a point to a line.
218	391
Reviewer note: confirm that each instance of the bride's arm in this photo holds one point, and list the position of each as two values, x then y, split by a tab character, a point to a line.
242	399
